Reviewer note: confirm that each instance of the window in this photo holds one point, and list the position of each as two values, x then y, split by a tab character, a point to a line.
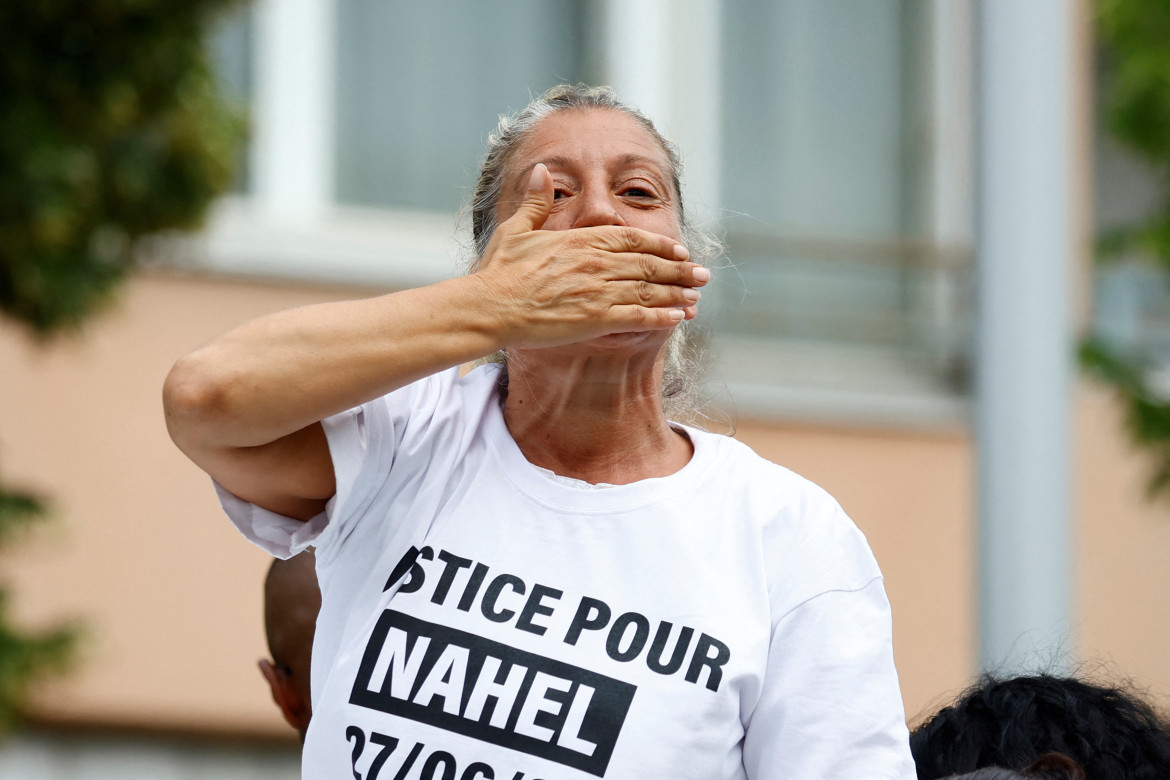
850	284
419	86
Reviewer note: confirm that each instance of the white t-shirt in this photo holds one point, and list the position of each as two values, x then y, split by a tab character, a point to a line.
480	620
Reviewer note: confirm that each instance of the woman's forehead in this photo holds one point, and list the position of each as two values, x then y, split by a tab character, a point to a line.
590	136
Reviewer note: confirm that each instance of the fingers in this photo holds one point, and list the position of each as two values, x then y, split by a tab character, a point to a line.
628	239
641	305
643	267
536	205
649	295
637	318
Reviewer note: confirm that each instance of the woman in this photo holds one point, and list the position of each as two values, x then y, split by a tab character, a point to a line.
529	571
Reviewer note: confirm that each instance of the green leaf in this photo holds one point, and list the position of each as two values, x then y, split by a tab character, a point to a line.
1135	99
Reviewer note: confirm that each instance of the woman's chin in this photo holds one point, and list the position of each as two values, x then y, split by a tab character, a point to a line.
632	339
641	342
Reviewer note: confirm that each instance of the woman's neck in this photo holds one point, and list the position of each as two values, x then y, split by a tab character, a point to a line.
595	418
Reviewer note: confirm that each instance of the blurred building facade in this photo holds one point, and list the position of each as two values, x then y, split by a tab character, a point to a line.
831	143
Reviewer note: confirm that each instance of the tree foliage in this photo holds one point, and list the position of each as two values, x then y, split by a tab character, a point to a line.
1134	42
110	130
25	656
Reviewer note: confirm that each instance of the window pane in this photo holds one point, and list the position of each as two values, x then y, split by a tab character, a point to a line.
814	97
419	86
826	151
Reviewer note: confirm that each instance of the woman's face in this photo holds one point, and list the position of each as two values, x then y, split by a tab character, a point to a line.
606	170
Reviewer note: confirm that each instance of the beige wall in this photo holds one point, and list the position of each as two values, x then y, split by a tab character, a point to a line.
171	594
1123	560
169	590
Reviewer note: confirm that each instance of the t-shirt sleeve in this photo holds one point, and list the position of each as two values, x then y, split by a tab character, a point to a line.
831	706
362	444
277	535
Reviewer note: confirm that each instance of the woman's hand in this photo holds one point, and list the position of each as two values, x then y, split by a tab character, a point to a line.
552	287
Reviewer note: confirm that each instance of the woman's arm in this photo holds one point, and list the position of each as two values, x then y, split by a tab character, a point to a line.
247	407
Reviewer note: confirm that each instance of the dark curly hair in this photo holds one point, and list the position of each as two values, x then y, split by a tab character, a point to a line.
1112	733
1050	766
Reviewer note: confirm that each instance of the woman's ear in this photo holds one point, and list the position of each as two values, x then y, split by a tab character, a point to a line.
1056	765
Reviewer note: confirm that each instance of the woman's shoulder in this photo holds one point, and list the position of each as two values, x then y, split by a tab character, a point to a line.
797	522
738	464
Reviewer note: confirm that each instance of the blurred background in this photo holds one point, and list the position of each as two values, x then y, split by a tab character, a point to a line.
168	171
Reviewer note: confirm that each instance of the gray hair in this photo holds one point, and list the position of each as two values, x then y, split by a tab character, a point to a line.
681	371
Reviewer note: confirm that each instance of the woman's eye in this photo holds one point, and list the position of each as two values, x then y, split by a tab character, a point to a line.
559	193
637	192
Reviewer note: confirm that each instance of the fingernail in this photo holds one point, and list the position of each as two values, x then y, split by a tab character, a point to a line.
677	314
536	179
692	295
681	252
701	274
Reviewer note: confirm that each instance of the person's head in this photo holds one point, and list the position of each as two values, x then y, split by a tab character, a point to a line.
497	173
1050	766
292	600
1010	723
579	131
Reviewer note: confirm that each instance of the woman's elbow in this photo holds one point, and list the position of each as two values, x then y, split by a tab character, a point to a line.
195	398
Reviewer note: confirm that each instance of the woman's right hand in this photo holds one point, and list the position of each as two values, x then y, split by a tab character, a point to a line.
552	287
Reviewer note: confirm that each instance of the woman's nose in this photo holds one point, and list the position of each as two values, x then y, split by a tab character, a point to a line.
596	208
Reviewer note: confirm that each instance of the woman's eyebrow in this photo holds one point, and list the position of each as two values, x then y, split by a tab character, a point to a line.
628	160
632	160
555	162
